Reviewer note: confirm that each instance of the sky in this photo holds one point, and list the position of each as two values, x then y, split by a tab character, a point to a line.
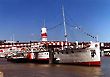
23	19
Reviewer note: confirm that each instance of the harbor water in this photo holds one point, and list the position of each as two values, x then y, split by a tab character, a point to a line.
9	69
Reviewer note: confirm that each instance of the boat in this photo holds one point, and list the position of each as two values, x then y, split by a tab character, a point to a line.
84	53
81	53
18	57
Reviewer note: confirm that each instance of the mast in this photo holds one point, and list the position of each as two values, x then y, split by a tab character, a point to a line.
64	23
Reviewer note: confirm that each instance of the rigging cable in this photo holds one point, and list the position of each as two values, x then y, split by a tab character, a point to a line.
54	27
80	29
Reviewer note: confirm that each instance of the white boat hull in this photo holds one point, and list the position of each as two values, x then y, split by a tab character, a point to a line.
80	56
43	56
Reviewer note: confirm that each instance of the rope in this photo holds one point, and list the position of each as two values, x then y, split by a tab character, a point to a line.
54	27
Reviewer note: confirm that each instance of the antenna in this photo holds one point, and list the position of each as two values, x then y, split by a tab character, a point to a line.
13	38
97	38
64	23
44	23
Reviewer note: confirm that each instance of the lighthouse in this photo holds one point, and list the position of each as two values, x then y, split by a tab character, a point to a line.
44	33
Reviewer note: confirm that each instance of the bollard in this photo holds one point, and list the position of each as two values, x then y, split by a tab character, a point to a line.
1	74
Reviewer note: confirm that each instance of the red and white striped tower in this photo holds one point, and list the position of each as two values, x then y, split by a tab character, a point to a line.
44	33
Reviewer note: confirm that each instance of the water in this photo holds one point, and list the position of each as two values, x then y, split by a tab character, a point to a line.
53	70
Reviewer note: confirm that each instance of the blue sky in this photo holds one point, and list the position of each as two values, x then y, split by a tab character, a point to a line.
24	19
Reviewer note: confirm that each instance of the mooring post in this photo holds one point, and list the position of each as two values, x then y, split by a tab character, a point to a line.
51	56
